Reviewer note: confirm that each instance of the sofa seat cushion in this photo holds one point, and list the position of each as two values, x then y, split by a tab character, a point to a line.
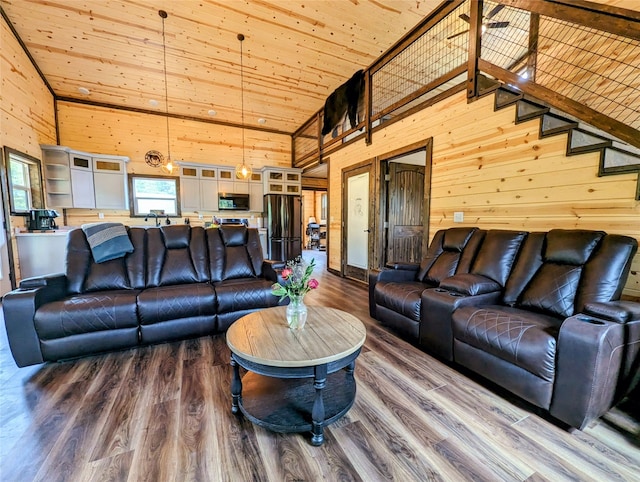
403	298
522	338
87	313
244	294
173	302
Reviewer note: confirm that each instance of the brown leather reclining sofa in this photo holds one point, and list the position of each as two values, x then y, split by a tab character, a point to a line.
536	313
178	282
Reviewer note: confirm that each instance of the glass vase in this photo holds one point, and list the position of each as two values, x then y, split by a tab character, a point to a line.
296	312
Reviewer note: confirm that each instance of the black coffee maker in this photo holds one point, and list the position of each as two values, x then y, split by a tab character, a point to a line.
42	219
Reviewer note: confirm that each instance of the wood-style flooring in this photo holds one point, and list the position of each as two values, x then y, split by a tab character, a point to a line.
163	413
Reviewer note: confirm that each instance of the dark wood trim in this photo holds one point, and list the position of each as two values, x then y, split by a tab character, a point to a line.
26	51
614	20
437	14
532	54
423	90
105	105
611	126
601	8
368	166
367	107
475	48
6	206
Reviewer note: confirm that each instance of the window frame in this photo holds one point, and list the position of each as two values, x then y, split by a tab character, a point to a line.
133	199
35	188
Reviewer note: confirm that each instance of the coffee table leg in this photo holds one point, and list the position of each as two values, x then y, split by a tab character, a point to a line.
236	386
317	413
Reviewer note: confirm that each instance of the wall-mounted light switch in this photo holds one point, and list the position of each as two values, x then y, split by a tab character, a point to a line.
458	217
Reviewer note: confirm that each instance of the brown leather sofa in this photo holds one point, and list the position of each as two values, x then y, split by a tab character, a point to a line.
178	282
540	315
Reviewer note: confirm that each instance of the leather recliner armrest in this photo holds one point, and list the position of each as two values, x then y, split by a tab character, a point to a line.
619	311
470	284
272	270
405	266
19	307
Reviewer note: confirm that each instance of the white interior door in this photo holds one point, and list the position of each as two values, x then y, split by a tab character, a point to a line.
358	221
5	280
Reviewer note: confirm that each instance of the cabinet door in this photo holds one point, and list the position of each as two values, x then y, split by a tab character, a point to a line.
82	188
241	187
110	183
110	191
208	194
256	197
226	187
190	193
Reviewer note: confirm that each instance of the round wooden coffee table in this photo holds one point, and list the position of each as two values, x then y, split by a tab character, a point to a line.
276	392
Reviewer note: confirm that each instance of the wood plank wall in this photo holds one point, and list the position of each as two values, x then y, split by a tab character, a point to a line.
26	110
500	175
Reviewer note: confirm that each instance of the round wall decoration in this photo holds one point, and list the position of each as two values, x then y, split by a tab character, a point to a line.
154	158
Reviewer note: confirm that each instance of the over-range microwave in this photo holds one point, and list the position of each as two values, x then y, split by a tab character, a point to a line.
233	202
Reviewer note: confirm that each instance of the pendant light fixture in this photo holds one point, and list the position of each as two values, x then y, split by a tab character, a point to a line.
167	165
242	170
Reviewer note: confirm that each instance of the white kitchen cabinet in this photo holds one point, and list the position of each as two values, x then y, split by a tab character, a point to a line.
82	183
198	187
282	181
256	197
110	181
75	179
57	176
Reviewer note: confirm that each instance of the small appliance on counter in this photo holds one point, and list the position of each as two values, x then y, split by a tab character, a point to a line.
42	220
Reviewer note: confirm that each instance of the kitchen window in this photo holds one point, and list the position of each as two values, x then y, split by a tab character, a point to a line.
24	182
157	194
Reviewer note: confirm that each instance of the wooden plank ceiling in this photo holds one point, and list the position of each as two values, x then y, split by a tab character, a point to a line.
295	53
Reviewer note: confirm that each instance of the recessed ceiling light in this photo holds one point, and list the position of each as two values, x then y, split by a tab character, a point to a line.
211	112
84	90
153	103
262	120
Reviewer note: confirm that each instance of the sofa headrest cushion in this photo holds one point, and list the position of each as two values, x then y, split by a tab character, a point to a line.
573	247
233	235
455	239
176	237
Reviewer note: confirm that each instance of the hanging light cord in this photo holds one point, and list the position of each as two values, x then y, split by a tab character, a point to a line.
241	38
163	14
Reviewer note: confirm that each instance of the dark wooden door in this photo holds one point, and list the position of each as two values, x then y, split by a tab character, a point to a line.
405	212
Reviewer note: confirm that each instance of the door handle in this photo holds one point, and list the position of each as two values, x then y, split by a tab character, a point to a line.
367	230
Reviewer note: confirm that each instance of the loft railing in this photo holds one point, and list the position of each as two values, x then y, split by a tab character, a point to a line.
580	57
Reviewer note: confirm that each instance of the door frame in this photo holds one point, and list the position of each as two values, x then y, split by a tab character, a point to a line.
368	166
381	193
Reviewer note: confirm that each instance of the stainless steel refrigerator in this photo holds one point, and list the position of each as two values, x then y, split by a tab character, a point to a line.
283	220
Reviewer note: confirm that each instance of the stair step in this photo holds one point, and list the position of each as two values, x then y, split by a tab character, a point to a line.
506	97
617	161
582	141
552	125
527	110
487	85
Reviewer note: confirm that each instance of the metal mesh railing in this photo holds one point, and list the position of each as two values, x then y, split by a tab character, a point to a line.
306	141
431	56
595	68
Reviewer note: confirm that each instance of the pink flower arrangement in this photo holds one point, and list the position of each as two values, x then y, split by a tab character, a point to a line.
296	278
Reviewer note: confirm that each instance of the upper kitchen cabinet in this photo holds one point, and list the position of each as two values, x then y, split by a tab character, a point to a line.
282	181
199	187
75	179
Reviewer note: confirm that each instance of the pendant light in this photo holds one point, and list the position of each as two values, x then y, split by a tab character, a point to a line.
167	165
242	170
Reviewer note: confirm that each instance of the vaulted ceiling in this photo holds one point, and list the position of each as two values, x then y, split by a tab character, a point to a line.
295	53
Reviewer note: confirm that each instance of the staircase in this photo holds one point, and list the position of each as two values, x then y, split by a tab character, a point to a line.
615	157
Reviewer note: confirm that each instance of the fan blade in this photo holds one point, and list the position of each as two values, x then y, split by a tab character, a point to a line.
457	34
465	17
494	11
497	24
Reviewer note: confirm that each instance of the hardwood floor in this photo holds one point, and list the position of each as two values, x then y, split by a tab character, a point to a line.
163	413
